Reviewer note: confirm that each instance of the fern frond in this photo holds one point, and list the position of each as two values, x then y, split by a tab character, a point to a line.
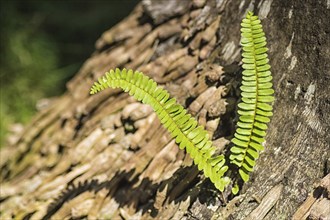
257	93
182	126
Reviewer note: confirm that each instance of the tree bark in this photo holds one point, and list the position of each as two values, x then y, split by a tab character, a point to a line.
108	157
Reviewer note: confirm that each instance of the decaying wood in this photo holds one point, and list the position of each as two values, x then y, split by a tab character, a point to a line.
317	205
267	203
107	156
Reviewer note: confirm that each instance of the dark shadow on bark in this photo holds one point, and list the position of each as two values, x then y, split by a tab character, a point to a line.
124	192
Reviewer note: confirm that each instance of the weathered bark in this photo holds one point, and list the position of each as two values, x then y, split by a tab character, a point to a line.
107	156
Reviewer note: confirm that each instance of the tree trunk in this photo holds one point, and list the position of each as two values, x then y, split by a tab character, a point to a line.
107	156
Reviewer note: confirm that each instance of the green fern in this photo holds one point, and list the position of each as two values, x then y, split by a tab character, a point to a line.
182	126
257	93
254	110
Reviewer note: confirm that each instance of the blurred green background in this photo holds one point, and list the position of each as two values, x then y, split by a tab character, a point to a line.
43	44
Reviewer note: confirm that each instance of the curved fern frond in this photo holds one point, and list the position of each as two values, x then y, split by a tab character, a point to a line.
257	93
182	126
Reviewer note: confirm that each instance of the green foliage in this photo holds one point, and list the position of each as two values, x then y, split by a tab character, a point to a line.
182	126
28	71
257	93
41	48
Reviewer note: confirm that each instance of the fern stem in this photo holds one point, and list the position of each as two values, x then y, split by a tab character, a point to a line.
256	84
